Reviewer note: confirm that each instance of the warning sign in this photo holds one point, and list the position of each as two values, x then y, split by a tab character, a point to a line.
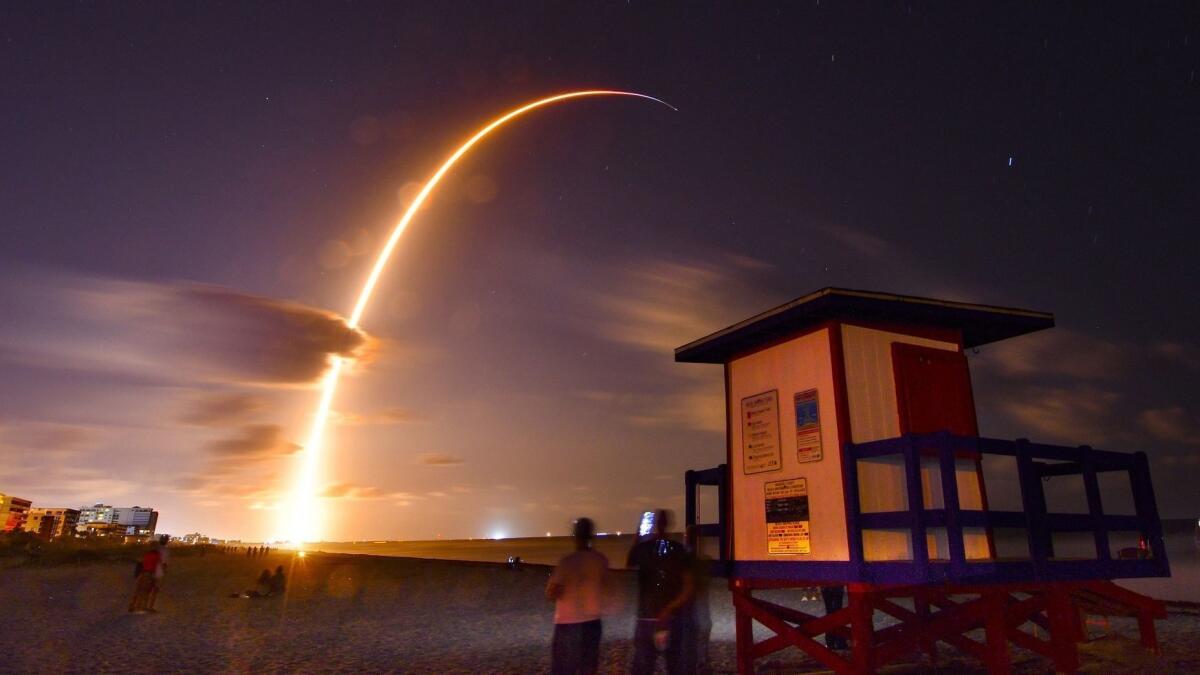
808	426
760	433
787	517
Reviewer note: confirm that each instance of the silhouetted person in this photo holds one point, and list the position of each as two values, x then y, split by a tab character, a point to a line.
262	587
278	581
698	615
665	587
577	588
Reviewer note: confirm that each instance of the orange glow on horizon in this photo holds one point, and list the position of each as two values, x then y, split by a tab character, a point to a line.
302	520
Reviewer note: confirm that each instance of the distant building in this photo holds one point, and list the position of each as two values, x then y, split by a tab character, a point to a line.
13	511
102	530
195	538
52	523
141	520
137	520
98	513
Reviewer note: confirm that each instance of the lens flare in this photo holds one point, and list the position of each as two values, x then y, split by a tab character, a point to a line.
302	517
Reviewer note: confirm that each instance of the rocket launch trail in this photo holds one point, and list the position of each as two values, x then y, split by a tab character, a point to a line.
303	525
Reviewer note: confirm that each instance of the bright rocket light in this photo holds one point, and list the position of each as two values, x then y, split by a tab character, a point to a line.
303	515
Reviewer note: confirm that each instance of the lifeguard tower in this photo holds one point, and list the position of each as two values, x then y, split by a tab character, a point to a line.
854	459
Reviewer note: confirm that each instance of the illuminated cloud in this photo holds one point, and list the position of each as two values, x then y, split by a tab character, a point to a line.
221	409
349	491
254	443
174	332
384	417
659	305
258	339
439	459
47	438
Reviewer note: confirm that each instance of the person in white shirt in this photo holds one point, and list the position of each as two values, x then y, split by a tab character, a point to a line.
577	588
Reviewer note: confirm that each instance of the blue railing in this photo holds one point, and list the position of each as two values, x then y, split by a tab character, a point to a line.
1034	463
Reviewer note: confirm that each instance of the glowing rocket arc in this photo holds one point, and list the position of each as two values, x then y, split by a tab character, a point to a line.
302	523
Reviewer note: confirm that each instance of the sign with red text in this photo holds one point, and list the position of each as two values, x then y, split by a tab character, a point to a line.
787	517
808	426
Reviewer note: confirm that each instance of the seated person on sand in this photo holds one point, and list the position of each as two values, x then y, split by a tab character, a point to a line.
262	587
278	582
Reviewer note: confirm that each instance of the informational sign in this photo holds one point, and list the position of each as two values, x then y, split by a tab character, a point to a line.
808	426
787	517
760	433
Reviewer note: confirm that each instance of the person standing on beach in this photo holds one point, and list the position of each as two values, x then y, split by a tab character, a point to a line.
145	583
577	588
160	571
665	589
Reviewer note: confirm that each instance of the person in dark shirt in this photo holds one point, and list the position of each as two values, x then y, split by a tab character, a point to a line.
665	588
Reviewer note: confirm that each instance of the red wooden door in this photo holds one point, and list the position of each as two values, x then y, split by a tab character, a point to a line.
933	390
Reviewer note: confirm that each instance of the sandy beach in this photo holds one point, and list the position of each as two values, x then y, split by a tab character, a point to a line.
357	613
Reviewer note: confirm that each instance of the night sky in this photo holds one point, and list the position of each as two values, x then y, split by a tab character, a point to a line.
192	193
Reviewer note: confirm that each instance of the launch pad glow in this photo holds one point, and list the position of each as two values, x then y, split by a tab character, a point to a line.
302	523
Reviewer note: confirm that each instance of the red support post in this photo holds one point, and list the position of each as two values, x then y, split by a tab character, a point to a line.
744	629
862	627
1147	631
995	626
928	642
1063	630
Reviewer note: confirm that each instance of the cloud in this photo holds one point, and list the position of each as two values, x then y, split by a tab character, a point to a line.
349	491
1064	415
659	305
1178	353
223	409
1172	424
385	417
64	485
439	459
252	444
253	338
1056	352
171	331
696	402
858	241
47	438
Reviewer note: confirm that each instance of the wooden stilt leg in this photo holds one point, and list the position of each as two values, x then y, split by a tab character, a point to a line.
1149	635
1063	630
928	644
744	632
999	661
862	627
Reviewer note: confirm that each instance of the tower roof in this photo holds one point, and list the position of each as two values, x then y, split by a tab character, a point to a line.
980	324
